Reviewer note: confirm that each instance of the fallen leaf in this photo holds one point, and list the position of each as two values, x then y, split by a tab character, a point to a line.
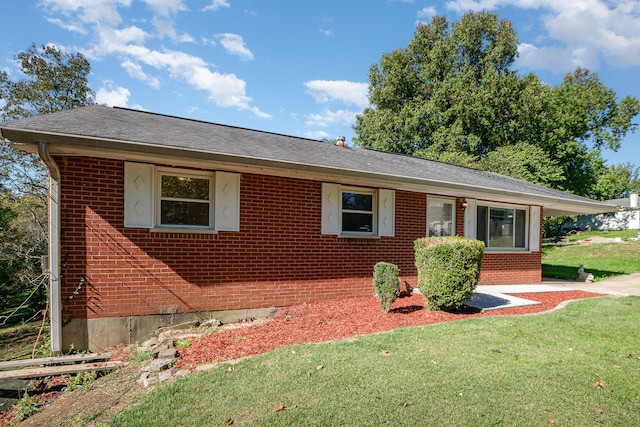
529	382
598	411
629	356
279	408
404	404
230	368
552	421
229	422
385	352
319	367
618	366
515	335
496	350
599	384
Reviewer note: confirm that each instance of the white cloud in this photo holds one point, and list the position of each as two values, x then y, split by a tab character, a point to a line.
234	45
185	38
579	32
113	97
129	46
315	134
351	93
427	12
166	7
225	90
215	5
69	26
331	118
89	11
135	70
325	27
555	58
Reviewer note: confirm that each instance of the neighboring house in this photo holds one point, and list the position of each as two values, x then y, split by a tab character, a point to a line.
157	219
627	217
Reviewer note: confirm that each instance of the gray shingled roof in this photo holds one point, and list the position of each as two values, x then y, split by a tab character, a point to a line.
138	130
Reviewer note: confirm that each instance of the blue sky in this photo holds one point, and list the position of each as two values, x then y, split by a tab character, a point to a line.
300	67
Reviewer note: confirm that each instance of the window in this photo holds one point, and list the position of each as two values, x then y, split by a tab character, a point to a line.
358	211
184	199
502	227
441	217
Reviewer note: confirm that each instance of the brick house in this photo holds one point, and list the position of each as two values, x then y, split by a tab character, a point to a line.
157	219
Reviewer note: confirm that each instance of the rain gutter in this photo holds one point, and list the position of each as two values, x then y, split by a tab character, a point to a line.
55	300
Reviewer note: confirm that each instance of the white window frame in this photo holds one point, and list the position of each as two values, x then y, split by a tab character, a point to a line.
526	227
186	173
447	200
374	210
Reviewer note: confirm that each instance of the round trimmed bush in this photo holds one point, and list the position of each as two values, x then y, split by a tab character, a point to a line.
448	270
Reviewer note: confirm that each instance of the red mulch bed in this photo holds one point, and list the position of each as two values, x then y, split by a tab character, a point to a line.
332	320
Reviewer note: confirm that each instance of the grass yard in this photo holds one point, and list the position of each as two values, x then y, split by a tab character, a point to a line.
566	367
603	260
16	342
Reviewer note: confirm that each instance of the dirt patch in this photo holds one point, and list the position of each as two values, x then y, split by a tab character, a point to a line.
107	396
306	323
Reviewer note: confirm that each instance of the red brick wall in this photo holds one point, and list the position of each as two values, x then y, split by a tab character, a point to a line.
506	268
279	257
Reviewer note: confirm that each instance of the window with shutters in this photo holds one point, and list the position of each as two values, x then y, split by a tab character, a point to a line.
357	212
164	199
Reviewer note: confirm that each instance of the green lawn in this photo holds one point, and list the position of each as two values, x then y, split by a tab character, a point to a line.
603	260
567	367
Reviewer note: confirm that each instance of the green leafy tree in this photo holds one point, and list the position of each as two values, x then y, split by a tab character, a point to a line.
53	80
453	95
617	182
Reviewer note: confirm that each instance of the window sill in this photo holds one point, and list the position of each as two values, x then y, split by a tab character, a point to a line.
357	236
183	230
506	251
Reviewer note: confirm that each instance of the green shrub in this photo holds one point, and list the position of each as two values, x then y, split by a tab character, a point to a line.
448	270
386	282
25	407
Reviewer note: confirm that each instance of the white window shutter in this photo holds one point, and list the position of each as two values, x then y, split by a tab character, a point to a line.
386	212
227	201
138	195
534	228
331	203
470	219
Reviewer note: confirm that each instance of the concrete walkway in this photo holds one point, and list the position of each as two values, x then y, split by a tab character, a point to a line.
503	296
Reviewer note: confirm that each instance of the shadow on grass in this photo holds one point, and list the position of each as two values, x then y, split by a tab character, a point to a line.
571	272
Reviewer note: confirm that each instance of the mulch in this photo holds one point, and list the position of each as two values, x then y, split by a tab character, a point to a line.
333	320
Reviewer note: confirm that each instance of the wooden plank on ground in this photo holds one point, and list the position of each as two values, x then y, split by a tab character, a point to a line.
53	360
58	370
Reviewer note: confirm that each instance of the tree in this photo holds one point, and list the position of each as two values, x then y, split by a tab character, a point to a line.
617	182
453	95
53	80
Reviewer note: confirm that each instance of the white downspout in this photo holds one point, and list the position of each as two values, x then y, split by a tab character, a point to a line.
55	300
